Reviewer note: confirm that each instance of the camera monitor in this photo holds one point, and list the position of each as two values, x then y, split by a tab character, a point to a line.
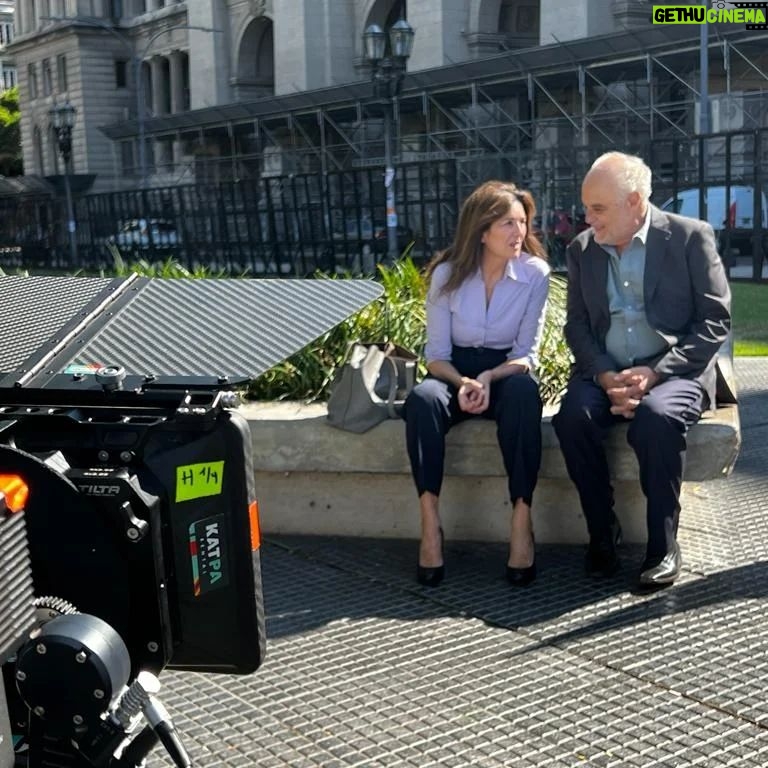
129	505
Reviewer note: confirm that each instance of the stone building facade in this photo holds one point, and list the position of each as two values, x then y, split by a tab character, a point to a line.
136	60
159	85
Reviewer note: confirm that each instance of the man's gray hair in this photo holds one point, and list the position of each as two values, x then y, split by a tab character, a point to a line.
632	174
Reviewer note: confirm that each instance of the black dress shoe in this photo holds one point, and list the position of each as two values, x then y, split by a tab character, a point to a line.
661	571
432	577
521	577
602	560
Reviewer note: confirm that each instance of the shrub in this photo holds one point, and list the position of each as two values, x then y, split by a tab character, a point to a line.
167	268
554	356
399	315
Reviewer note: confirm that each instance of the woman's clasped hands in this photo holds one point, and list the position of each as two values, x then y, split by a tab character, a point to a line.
474	394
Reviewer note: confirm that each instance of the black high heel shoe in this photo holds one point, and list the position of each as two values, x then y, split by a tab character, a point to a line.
522	577
432	577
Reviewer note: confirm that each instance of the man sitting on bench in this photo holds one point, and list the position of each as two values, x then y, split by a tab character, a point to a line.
648	310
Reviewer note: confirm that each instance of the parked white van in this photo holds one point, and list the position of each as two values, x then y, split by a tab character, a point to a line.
732	218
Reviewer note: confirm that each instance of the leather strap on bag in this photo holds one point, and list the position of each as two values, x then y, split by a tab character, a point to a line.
392	396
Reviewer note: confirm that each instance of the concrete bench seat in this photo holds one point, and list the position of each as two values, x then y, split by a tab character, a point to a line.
314	479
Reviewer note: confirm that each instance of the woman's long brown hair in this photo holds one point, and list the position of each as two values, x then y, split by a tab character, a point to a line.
488	203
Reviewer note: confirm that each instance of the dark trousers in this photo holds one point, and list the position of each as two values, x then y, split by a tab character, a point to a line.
657	436
432	409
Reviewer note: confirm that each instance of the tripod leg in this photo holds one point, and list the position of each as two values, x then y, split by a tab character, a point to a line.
136	752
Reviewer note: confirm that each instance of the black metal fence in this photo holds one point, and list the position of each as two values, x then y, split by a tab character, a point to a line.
296	224
283	225
721	178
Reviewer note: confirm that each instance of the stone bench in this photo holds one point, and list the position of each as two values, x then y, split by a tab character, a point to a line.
314	479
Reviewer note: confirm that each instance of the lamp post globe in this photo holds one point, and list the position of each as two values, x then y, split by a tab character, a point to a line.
374	43
64	115
401	36
63	121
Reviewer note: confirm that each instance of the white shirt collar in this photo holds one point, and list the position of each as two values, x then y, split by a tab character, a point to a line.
642	233
516	269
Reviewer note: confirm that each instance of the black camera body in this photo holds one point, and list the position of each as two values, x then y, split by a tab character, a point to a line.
147	518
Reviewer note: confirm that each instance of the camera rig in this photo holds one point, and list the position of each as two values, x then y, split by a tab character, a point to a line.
129	531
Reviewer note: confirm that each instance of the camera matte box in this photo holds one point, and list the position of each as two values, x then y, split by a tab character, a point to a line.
142	508
212	518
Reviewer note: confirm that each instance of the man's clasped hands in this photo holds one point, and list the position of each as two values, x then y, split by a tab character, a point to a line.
627	388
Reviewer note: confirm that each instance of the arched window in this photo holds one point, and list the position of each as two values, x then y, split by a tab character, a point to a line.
256	61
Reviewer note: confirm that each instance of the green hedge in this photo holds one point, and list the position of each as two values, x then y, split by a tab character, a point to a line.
399	316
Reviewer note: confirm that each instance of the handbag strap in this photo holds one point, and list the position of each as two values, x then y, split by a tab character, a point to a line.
410	377
392	396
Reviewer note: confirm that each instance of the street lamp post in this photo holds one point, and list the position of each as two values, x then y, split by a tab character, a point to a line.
387	73
704	123
63	120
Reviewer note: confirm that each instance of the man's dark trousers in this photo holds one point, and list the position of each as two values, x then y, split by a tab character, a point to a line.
657	435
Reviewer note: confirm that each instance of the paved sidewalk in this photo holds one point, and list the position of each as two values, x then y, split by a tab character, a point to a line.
742	269
365	668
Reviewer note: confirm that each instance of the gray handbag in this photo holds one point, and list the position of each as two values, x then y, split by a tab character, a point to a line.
371	386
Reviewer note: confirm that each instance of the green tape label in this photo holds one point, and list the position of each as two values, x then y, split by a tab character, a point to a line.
194	481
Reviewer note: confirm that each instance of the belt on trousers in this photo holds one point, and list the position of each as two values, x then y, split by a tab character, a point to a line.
480	350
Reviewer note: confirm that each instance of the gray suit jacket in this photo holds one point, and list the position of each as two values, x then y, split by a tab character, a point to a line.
687	301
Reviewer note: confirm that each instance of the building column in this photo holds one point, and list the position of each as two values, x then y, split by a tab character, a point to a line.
21	17
177	61
209	68
144	77
159	86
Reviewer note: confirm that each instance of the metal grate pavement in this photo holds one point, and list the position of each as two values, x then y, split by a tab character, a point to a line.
367	669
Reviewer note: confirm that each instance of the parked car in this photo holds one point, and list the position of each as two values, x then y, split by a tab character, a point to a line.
732	218
143	234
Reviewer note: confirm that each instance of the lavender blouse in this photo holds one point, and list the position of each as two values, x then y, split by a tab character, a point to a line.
513	319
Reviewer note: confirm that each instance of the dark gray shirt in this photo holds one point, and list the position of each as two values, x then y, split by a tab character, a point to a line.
630	338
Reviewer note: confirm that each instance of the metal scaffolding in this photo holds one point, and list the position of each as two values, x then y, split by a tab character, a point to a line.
613	91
